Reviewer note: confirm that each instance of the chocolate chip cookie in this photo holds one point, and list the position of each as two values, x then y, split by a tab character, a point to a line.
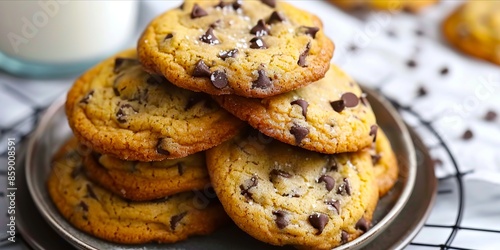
474	29
247	48
119	109
328	116
385	164
285	195
140	181
392	5
100	213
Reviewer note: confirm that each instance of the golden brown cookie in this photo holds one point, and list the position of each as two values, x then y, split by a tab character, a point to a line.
474	28
142	181
248	48
385	163
285	195
328	116
387	5
117	108
100	213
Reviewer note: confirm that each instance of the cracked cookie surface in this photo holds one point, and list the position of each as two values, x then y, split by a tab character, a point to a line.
385	164
474	28
285	195
247	48
328	116
140	181
117	108
100	213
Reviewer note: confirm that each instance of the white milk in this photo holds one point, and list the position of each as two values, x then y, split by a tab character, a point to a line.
65	32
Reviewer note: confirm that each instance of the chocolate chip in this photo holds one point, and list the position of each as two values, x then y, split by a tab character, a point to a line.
168	36
373	132
376	158
193	100
276	17
444	71
84	206
338	106
90	192
411	63
311	31
260	29
303	104
257	43
344	237
116	91
344	188
334	203
350	99
180	168
328	180
490	116
422	91
175	220
155	79
76	171
262	82
123	111
363	100
362	225
299	133
467	135
201	69
223	4
209	37
160	150
277	172
121	63
84	217
245	188
237	4
302	57
270	3
228	53
318	221
86	98
197	12
216	24
281	218
219	79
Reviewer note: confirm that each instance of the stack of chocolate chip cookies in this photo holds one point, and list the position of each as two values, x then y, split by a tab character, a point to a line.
226	109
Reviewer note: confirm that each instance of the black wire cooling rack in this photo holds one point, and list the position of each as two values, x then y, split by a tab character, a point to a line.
450	185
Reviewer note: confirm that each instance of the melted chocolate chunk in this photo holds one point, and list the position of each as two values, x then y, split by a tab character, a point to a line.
344	188
490	116
376	158
237	4
84	206
411	63
155	79
257	43
276	17
467	135
121	63
281	218
176	219
302	57
318	221
444	71
201	69
350	99
328	180
260	29
87	97
262	82
193	100
299	133
245	188
344	237
338	106
219	79
209	37
334	203
310	31
124	110
90	192
277	172
422	91
197	12
180	168
168	36
373	132
270	3
303	104
228	53
362	225
160	150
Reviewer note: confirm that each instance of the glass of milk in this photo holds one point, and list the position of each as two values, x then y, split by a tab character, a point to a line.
46	38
